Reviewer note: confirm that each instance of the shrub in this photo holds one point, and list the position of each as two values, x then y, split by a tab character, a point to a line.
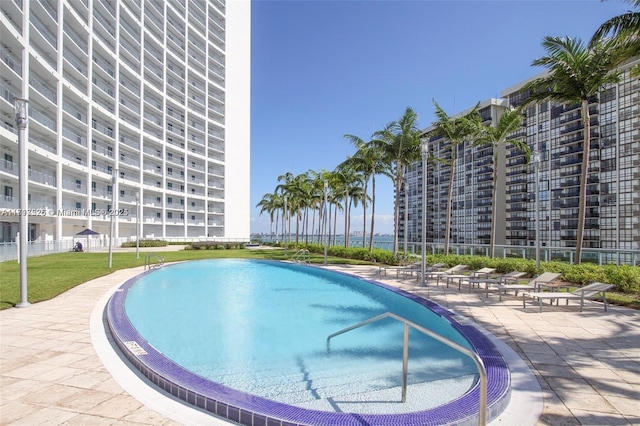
147	243
215	245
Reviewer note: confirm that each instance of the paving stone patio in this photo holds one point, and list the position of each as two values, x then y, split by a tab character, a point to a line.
587	363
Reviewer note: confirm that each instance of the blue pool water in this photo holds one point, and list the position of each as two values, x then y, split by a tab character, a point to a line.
259	328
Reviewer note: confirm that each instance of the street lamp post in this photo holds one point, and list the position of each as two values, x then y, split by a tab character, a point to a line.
111	214
22	117
324	220
425	154
406	215
536	163
137	225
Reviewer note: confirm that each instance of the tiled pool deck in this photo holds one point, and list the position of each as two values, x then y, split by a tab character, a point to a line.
587	364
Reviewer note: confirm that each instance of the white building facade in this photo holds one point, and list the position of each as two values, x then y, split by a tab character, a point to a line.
138	110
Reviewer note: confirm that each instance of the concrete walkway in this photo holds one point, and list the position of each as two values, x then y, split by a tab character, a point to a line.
587	364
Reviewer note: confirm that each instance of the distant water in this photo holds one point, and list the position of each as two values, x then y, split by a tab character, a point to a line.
384	242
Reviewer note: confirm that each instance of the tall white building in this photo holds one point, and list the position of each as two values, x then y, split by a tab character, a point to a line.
138	107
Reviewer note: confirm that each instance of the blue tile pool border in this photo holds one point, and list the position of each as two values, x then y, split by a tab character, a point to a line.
251	410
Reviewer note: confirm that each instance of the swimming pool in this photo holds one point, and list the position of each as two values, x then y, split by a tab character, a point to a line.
249	373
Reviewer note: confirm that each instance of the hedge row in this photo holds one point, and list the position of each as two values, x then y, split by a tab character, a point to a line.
147	243
625	277
215	245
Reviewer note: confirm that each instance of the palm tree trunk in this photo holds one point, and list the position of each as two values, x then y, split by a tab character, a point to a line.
396	209
335	225
346	220
582	202
447	226
297	226
364	215
373	211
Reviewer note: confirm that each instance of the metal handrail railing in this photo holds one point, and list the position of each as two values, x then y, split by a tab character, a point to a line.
301	256
148	264
482	419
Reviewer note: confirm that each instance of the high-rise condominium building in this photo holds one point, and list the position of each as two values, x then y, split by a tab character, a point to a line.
137	108
554	133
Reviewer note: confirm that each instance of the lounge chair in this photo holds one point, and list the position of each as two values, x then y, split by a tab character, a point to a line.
449	272
384	269
474	278
417	269
513	276
482	273
590	291
545	278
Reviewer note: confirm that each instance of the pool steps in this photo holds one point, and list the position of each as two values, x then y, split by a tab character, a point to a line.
295	386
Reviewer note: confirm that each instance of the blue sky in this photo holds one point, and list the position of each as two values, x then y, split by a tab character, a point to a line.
321	69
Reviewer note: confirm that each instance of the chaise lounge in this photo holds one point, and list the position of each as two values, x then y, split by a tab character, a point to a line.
545	278
443	274
590	291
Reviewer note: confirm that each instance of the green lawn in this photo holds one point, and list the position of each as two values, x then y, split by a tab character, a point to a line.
48	276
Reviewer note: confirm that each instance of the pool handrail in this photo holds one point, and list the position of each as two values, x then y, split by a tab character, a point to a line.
482	415
149	258
301	256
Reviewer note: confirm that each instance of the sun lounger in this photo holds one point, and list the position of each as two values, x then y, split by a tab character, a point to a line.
439	274
417	269
590	291
482	273
481	276
511	277
542	279
474	277
384	269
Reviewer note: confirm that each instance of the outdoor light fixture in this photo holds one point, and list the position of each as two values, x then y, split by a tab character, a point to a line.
425	154
22	117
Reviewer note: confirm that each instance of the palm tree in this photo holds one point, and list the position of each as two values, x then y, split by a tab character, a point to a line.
399	142
576	73
625	31
286	191
347	181
456	131
271	203
509	122
369	161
